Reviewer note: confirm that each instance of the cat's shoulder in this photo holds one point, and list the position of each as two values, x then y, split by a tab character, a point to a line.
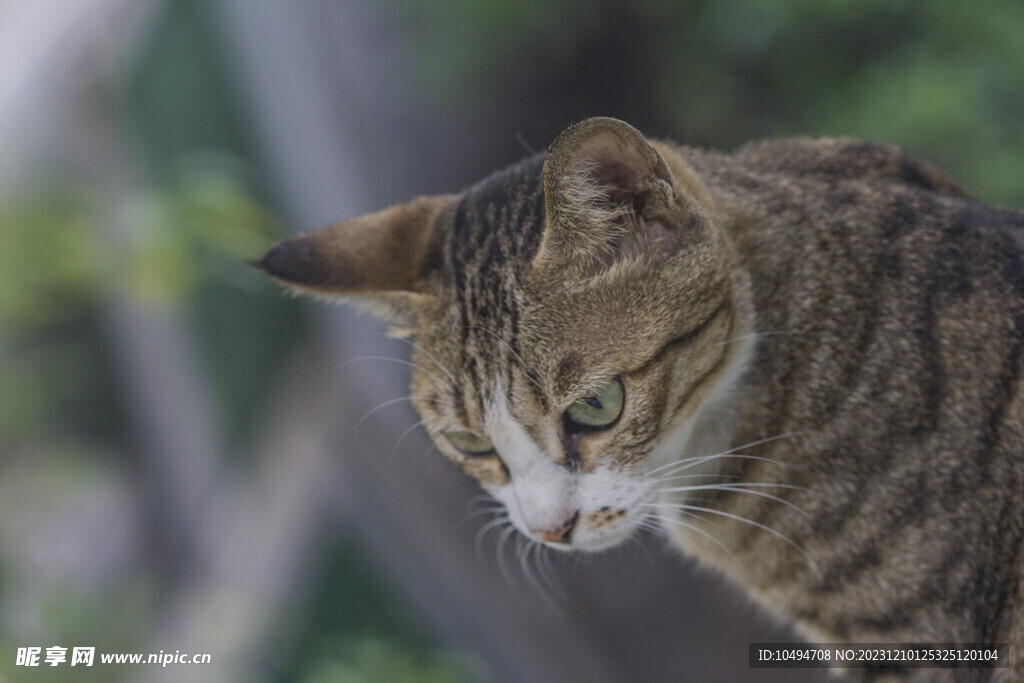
841	158
828	177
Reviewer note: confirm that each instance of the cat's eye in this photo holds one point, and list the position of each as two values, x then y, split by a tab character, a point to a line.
600	410
470	443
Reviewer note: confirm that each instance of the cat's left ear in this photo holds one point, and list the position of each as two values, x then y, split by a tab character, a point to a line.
382	260
609	195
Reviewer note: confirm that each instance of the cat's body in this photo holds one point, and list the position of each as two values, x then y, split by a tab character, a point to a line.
839	324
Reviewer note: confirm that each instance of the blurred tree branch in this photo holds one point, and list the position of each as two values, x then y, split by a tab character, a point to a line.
231	550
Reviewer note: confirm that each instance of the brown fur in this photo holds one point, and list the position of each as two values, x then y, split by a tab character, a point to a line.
848	309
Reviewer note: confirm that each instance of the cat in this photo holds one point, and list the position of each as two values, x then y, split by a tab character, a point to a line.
802	360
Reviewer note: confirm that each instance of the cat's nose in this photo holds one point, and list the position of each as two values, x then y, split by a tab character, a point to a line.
562	534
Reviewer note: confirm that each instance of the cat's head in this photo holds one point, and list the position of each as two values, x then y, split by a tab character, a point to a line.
568	316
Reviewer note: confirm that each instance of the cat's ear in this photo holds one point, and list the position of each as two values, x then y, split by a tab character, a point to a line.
608	195
381	259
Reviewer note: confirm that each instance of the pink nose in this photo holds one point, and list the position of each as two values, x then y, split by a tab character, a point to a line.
561	534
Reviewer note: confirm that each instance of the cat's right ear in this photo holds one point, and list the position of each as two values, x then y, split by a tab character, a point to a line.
381	260
610	198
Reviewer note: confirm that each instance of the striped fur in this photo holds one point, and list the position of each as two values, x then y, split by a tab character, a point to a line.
820	344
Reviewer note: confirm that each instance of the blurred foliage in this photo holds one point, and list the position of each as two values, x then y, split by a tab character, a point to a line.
61	262
176	242
70	620
182	92
57	254
371	660
61	592
470	41
48	277
939	77
194	230
358	631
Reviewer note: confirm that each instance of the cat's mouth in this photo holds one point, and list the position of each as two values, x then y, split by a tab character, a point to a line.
604	538
590	531
587	512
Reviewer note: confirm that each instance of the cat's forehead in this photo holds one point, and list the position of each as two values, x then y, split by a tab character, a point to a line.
496	228
497	322
553	346
494	232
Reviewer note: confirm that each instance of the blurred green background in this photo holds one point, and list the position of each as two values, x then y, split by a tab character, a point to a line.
137	184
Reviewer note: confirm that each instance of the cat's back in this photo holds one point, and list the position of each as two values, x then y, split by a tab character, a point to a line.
892	256
838	159
845	200
833	173
890	305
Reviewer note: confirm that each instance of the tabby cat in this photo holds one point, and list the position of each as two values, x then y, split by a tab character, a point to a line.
802	360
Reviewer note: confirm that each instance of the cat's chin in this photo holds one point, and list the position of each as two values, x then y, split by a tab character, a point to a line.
606	542
596	541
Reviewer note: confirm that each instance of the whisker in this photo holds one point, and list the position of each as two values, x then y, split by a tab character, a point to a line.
671	477
502	564
652	526
735	485
480	498
490	510
679	522
432	359
636	540
521	548
485	502
696	462
404	434
740	487
730	451
548	574
555	596
385	404
755	335
400	361
649	523
527	547
738	518
525	145
673	507
481	533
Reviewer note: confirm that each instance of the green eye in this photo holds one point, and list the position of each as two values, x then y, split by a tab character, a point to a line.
599	410
470	443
